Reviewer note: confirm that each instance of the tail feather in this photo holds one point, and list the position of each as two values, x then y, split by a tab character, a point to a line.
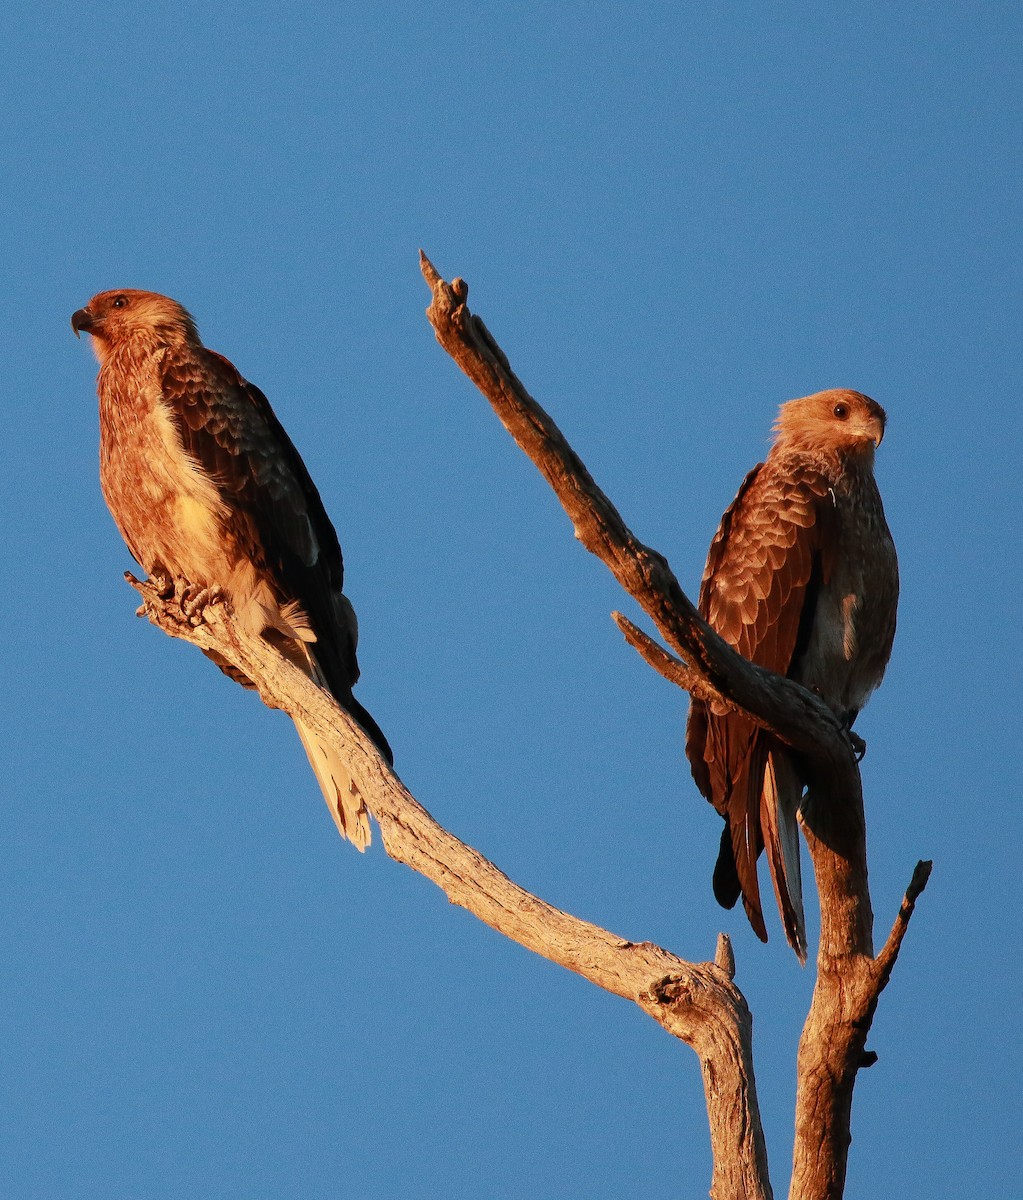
340	791
344	800
744	842
779	805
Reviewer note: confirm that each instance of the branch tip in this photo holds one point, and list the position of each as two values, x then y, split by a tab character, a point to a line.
885	961
921	874
429	270
724	956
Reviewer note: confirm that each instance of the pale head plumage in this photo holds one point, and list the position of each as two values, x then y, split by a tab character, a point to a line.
834	421
114	316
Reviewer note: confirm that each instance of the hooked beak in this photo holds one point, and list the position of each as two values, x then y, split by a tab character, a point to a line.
82	319
877	430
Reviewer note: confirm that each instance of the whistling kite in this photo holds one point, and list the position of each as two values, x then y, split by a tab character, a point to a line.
801	578
205	486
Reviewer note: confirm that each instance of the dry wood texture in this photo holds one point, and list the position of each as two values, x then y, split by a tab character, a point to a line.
696	1002
849	978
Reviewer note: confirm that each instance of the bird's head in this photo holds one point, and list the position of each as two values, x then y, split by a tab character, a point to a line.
112	317
837	420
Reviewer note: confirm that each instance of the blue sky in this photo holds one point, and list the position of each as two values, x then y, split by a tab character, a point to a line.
673	217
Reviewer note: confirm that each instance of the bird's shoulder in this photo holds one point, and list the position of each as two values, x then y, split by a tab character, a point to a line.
210	396
768	551
228	426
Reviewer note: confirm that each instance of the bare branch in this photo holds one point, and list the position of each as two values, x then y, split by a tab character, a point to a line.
791	712
695	1002
890	950
832	1045
834	815
672	668
832	1049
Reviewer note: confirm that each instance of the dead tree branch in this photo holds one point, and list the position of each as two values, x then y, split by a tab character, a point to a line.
788	710
849	978
695	1002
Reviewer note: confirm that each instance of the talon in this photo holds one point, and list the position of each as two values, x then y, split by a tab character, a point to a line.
859	746
163	583
194	599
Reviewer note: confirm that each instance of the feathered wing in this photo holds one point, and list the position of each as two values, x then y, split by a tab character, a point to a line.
765	567
277	522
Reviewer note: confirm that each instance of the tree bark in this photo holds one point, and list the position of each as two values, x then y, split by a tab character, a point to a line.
849	978
695	1002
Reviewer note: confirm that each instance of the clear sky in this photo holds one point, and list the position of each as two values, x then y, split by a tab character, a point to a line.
673	217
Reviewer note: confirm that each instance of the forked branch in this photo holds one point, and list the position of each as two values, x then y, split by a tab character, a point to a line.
696	1002
791	712
849	978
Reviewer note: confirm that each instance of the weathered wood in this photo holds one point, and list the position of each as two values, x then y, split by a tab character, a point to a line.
832	1049
695	1002
848	982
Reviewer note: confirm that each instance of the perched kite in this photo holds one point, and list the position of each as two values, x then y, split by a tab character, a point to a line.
205	486
801	578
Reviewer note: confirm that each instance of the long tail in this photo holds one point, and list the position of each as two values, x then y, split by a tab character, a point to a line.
344	800
778	808
742	840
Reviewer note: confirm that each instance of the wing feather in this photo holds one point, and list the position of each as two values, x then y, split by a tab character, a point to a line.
228	427
758	592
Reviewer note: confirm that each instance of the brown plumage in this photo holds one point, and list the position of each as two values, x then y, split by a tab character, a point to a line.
205	486
801	578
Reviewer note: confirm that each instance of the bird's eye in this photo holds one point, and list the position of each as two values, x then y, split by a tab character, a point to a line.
841	411
120	302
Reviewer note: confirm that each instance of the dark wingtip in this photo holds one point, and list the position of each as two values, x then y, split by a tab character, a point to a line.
727	888
372	728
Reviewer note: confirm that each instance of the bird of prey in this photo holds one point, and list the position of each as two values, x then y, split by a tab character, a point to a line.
206	487
801	578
